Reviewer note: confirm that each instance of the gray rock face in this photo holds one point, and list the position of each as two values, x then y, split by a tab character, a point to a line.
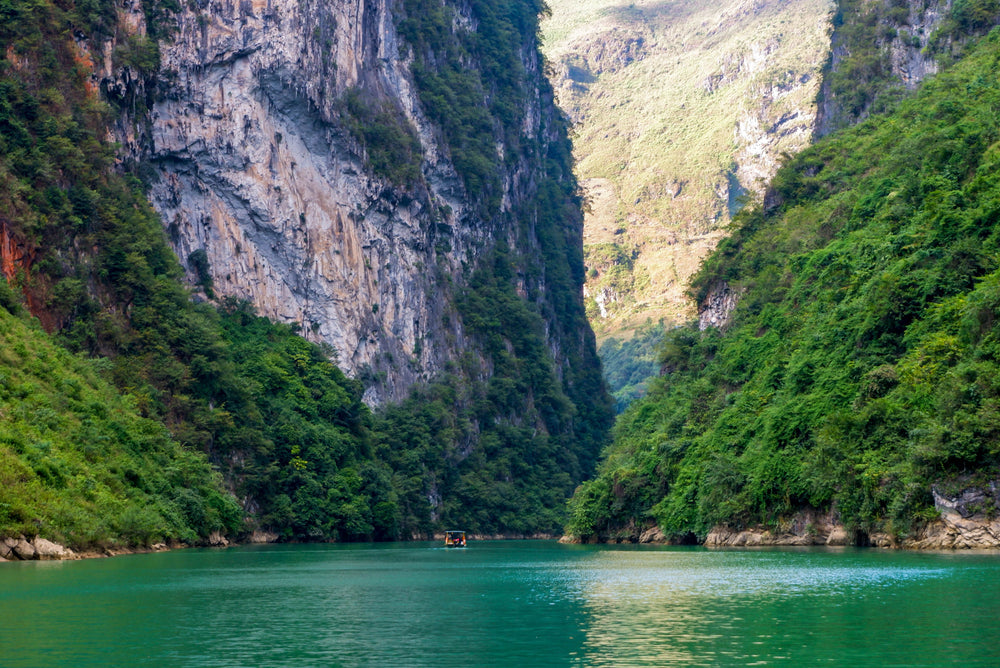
718	307
46	549
7	548
805	528
256	169
968	519
904	41
24	549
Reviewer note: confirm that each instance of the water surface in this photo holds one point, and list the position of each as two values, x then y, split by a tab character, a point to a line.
503	603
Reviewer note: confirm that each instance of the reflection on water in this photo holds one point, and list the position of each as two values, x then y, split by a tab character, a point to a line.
761	607
502	603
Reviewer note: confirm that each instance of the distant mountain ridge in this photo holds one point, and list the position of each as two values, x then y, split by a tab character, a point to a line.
680	111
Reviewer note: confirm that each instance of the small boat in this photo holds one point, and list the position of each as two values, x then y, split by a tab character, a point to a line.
454	539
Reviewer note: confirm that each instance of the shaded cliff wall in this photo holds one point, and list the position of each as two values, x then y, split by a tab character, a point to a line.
256	165
256	168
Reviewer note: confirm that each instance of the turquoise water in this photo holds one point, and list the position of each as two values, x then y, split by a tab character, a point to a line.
509	603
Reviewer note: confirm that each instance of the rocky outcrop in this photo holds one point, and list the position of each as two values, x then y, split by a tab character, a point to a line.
968	518
216	539
772	120
40	549
837	536
260	537
953	532
33	549
15	254
717	308
805	528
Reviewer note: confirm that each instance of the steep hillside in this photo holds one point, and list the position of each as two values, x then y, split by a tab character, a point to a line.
856	379
680	110
881	49
455	250
80	466
630	364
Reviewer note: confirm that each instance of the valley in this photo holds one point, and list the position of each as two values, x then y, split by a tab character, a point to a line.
681	112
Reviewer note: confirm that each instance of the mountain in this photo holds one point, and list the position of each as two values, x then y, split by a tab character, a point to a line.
345	167
391	181
681	110
848	395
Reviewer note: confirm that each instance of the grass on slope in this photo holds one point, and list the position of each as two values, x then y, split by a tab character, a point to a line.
669	99
861	366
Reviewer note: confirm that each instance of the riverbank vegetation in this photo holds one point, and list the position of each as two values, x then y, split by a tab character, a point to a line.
860	366
78	463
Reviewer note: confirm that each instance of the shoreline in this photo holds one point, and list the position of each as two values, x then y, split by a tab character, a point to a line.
952	531
22	548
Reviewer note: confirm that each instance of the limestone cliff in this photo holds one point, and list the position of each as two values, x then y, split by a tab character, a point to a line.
877	50
258	173
681	111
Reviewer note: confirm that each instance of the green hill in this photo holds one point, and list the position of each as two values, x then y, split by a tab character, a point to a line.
80	466
860	366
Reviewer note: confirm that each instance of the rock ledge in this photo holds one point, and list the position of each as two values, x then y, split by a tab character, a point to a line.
34	549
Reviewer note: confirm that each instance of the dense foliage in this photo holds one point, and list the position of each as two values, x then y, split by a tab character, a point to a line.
306	436
392	148
501	454
630	364
77	462
861	364
93	264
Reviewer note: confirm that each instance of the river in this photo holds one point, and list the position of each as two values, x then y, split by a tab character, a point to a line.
503	603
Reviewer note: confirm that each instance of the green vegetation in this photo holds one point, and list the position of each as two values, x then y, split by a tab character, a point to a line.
631	364
861	364
967	18
305	434
392	148
471	81
77	462
502	437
